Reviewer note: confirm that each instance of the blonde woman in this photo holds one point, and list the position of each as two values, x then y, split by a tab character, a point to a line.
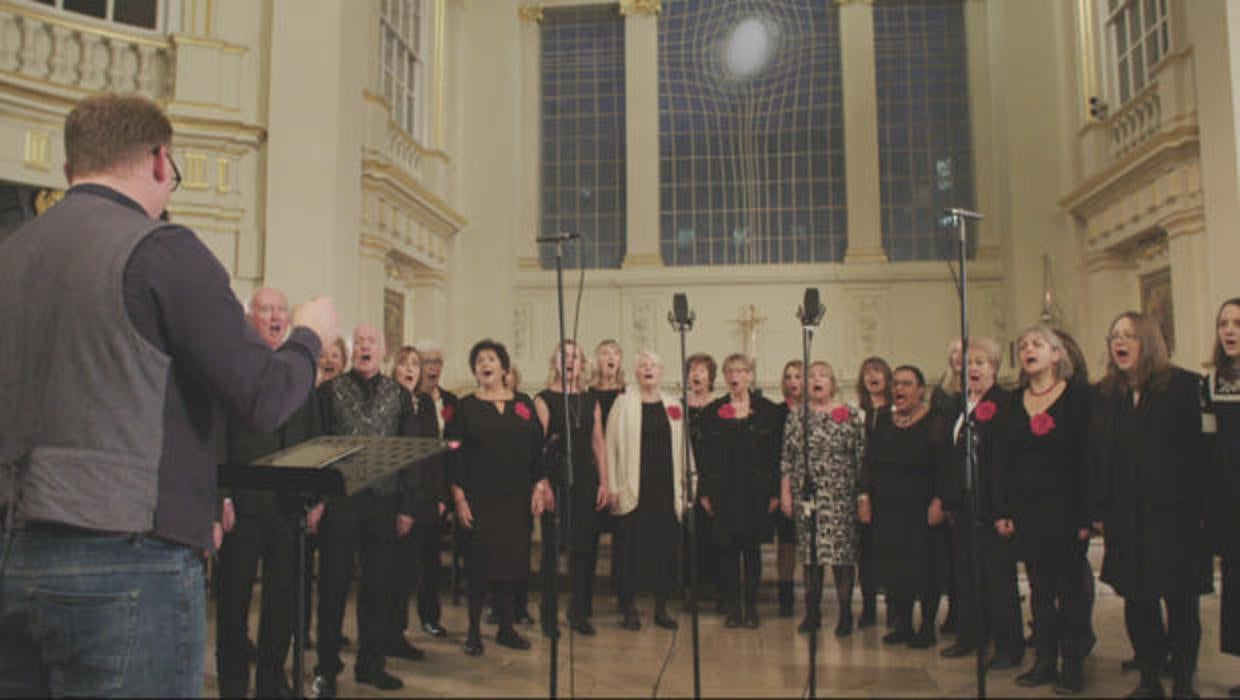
646	480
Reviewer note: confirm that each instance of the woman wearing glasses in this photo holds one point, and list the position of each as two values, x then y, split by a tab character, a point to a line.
1147	498
1222	392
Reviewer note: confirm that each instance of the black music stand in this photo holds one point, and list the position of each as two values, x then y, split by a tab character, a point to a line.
330	465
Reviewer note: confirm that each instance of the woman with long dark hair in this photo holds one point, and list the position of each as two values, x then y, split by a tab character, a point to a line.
1222	426
874	397
1148	498
497	483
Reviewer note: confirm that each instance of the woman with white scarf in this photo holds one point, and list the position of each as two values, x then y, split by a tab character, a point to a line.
646	477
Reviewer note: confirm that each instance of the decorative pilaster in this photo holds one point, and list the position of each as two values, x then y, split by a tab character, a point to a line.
1190	287
641	88
861	168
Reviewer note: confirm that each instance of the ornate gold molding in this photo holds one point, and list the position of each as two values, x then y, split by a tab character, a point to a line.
46	199
641	7
530	13
38	150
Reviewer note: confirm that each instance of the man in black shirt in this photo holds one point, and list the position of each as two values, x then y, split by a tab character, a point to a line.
363	402
259	525
120	334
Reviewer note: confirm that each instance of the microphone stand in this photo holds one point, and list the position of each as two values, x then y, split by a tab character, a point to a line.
563	498
961	217
808	489
683	326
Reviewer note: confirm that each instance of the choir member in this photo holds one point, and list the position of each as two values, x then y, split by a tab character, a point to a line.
945	401
907	449
333	362
993	609
259	525
497	482
1222	392
1147	499
589	491
418	547
1041	504
702	370
874	397
792	385
431	529
826	492
362	402
740	483
607	382
647	477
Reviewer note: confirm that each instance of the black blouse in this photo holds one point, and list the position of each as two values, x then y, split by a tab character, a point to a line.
500	452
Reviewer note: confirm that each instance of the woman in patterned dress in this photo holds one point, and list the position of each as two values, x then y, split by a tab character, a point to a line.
827	493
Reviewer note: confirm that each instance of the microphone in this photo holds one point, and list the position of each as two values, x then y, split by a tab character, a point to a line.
680	315
963	213
558	237
811	310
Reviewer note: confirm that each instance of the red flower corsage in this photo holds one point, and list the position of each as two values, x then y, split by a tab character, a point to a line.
985	411
673	412
522	411
447	413
1041	424
727	412
839	414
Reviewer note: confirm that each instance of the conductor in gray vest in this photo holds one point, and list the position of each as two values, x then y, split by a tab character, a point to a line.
121	331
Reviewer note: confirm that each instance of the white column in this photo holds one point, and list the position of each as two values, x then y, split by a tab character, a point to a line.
641	89
529	204
1190	289
861	169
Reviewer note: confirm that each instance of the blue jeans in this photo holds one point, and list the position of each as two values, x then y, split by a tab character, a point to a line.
95	614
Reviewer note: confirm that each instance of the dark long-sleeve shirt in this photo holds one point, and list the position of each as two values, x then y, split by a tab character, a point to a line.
178	298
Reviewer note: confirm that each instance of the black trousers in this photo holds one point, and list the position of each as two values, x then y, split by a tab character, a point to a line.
865	570
479	584
271	536
741	566
1229	607
1061	610
999	602
418	568
582	563
364	526
1143	619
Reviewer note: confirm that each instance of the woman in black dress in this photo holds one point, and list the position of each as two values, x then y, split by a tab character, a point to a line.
607	382
740	484
1040	502
1147	499
589	495
647	477
906	452
1222	427
874	397
792	386
997	599
702	371
497	482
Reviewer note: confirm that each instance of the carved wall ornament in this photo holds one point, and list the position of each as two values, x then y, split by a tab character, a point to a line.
641	7
46	199
530	13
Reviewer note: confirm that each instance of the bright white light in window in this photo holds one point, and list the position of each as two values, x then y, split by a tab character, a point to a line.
749	48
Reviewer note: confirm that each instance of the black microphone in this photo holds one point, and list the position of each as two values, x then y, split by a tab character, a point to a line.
558	238
680	314
811	310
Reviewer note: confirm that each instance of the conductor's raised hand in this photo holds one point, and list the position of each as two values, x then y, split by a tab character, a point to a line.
319	315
